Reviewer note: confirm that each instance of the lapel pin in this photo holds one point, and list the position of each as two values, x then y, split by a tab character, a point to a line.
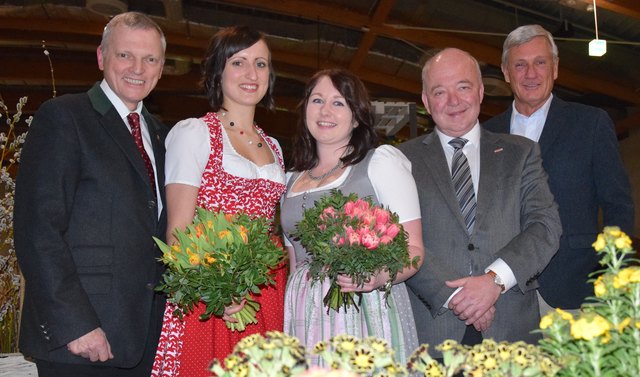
498	150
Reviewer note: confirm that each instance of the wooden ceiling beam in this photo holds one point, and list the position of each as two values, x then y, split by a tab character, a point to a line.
338	16
191	48
629	8
313	10
16	30
380	15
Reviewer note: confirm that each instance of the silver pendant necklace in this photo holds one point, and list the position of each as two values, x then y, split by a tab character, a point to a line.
325	175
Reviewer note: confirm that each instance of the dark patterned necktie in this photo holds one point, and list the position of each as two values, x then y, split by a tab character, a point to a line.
462	182
136	132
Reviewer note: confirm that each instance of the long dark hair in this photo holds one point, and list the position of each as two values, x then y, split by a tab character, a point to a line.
223	45
363	137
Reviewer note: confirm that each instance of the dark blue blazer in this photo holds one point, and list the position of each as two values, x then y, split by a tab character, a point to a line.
580	154
85	214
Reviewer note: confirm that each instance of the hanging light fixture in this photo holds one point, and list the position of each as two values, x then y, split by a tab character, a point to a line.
597	47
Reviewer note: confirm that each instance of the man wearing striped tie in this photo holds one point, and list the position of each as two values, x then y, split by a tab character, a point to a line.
490	224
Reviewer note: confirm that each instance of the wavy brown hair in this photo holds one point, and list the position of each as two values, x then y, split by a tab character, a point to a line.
363	137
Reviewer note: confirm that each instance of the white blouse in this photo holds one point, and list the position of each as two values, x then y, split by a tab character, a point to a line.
390	174
188	149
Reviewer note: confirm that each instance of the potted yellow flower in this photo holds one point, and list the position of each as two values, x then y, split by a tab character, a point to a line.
604	339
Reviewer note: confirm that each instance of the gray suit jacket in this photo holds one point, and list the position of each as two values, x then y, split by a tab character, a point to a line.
516	220
85	213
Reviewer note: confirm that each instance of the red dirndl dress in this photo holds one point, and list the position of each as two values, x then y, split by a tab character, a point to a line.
186	348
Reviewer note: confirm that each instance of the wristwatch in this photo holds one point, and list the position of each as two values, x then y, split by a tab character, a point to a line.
497	280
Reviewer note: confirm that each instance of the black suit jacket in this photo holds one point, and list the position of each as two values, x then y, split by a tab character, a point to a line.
580	154
85	214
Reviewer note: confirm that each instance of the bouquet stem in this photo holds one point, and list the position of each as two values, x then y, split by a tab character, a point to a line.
334	299
245	316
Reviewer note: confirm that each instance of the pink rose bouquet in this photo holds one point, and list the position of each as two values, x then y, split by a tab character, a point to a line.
351	236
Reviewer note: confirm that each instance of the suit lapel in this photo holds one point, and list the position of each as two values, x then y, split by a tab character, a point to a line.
491	155
503	122
115	127
157	142
552	125
437	167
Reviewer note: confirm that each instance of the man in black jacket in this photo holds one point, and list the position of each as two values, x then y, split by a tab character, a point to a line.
88	201
580	154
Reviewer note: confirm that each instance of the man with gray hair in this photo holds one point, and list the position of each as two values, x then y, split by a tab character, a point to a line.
580	154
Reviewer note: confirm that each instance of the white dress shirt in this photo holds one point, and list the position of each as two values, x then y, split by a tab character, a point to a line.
471	151
530	126
123	111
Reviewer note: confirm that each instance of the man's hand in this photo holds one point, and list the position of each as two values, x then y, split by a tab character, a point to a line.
484	322
93	346
477	296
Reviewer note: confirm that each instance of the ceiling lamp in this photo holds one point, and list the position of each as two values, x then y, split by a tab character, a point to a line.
597	47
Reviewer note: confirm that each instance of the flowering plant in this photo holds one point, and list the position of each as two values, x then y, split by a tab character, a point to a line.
272	355
11	281
11	143
321	372
351	236
220	259
364	357
488	359
604	339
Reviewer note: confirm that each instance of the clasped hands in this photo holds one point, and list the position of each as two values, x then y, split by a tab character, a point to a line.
377	280
475	302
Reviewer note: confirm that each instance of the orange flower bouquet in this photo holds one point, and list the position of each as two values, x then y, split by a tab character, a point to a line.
220	259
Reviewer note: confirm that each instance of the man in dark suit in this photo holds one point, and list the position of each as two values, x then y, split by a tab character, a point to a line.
88	201
483	250
580	154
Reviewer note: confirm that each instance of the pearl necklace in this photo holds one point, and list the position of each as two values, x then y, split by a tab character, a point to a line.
325	175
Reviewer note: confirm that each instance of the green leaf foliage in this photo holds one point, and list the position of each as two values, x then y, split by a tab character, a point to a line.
219	260
351	236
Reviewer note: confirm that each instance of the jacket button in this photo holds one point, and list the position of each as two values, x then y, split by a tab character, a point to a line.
152	204
150	286
470	247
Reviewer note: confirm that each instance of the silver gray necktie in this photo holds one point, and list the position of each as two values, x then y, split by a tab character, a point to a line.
462	182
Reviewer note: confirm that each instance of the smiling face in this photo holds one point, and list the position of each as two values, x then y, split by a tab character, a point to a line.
132	63
531	71
328	116
245	78
453	91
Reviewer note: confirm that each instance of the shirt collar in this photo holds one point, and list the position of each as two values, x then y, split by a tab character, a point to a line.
122	109
473	137
540	113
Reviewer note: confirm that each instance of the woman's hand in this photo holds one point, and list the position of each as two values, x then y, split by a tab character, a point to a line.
231	310
379	279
